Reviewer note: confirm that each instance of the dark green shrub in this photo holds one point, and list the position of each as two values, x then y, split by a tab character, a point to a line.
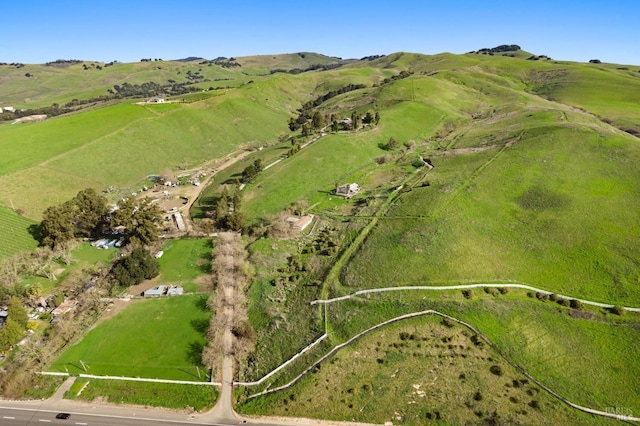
576	304
618	310
497	370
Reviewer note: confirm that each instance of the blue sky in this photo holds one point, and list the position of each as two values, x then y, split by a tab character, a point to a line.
37	31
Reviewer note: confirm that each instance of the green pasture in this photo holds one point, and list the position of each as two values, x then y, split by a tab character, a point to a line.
15	233
414	372
52	84
166	395
557	210
185	260
543	338
315	168
159	338
32	144
74	157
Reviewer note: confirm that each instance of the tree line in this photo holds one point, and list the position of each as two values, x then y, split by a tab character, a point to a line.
314	67
87	215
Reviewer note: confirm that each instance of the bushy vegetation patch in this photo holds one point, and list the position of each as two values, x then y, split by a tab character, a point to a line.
547	341
415	372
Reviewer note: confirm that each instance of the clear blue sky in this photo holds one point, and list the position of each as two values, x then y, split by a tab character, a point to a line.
36	31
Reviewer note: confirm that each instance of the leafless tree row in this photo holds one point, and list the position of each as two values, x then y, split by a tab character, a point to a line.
231	273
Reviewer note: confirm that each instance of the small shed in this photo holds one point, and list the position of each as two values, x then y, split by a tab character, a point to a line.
174	290
177	216
303	222
155	292
348	190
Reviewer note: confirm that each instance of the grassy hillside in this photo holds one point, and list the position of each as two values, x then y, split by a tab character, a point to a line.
534	180
51	161
15	233
561	191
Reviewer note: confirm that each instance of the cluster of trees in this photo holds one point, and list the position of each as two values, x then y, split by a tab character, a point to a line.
372	57
499	49
87	215
50	111
401	75
135	268
314	67
12	64
63	62
228	214
295	147
327	243
222	61
150	60
139	218
195	76
230	270
251	171
304	113
391	145
42	262
538	57
148	89
15	326
82	216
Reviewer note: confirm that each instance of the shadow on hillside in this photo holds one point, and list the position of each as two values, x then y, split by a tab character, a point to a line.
36	232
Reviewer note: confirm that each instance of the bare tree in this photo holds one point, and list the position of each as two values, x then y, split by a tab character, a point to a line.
231	273
64	251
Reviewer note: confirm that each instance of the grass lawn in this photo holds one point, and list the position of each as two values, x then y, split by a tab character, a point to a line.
160	338
167	395
185	260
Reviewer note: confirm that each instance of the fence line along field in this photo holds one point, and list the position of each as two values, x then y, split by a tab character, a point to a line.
14	233
159	338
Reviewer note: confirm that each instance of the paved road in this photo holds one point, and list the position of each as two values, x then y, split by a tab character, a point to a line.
12	416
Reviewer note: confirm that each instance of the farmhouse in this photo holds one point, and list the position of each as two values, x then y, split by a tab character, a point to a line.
155	101
300	223
348	190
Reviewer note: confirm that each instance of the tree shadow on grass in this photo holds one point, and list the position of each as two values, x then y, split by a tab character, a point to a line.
36	232
194	353
200	325
201	303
